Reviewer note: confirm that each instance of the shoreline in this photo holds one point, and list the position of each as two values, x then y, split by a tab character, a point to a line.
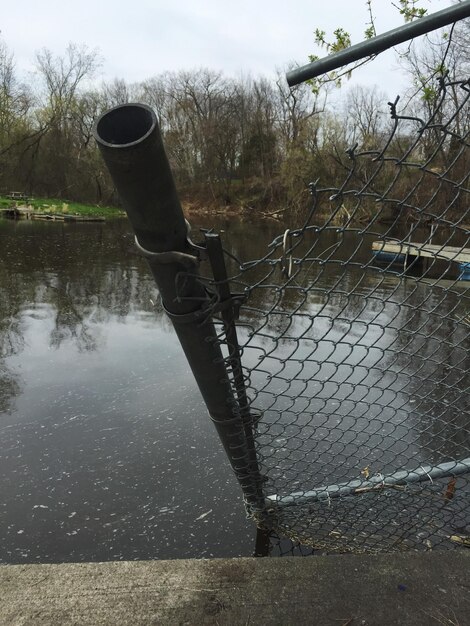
55	209
58	210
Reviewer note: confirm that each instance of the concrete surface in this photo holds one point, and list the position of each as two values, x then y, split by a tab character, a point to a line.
415	589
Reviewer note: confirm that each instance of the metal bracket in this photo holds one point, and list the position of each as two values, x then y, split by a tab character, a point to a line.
199	315
176	256
233	303
172	256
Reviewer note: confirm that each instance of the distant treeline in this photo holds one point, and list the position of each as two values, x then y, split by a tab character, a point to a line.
249	143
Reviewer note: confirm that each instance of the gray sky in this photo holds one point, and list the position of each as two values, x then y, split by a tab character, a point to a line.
141	38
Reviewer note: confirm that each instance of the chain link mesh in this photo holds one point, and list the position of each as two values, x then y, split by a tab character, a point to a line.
354	340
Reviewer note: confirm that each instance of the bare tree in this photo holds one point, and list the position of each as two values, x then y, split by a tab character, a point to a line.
366	114
15	125
62	77
118	92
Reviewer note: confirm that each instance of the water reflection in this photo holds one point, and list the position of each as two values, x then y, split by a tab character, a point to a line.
353	368
106	450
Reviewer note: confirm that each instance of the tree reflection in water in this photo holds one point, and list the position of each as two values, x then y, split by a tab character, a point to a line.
114	439
106	451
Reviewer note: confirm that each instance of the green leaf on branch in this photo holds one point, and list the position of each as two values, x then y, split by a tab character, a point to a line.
410	10
343	40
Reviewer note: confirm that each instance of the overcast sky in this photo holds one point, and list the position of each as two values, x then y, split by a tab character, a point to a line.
141	38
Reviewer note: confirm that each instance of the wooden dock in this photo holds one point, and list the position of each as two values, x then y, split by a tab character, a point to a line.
26	213
426	250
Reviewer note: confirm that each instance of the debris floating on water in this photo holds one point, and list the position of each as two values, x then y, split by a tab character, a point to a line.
202	516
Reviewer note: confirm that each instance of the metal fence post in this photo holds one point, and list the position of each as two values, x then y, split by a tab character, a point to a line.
229	303
131	145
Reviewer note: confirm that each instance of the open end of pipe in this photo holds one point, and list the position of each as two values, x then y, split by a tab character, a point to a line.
125	125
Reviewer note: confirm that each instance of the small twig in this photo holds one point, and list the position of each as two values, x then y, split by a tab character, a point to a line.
442	619
39	581
378	487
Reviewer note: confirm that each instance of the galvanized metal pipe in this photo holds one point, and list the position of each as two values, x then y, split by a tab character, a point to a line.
378	44
131	145
359	486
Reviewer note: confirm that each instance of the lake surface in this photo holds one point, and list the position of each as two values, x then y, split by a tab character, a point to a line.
106	449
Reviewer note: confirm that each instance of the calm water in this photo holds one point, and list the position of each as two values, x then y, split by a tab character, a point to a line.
106	450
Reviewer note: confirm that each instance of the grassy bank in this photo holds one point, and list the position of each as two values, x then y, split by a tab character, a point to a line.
54	205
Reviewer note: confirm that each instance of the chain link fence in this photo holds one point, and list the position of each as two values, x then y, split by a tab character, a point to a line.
353	334
341	393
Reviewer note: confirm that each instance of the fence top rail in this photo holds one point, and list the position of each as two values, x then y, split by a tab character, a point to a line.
380	43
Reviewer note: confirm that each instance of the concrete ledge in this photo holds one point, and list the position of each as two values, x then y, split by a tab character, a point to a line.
415	589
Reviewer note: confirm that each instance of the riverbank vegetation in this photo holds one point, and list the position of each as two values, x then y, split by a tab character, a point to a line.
57	205
247	145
